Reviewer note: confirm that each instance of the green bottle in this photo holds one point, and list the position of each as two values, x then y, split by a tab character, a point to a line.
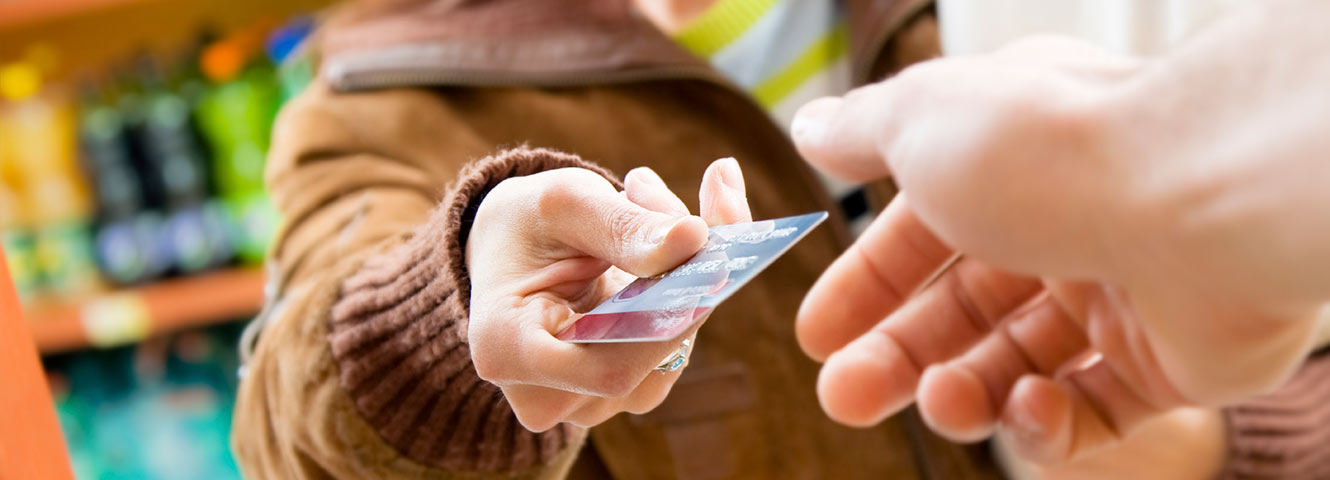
236	115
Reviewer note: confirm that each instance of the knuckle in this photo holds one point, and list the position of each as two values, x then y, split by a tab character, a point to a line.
555	198
624	226
1078	122
558	190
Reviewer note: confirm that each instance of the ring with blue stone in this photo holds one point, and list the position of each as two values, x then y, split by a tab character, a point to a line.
676	360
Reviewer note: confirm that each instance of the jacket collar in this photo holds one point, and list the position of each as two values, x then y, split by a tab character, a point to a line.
871	24
383	43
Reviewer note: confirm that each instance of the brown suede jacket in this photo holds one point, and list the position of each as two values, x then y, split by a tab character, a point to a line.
363	369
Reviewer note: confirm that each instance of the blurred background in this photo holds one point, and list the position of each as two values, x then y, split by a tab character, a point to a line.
133	214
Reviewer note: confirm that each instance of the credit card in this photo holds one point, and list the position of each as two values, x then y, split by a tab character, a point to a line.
662	307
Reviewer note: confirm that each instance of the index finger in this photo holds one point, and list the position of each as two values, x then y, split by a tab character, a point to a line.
893	258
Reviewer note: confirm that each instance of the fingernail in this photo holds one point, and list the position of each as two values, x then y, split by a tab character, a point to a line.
1023	426
648	175
663	229
731	175
810	122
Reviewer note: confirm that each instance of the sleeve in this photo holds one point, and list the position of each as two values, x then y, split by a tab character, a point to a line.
917	40
362	369
1284	435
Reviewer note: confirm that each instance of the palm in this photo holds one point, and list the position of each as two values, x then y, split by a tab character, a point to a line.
976	346
1065	354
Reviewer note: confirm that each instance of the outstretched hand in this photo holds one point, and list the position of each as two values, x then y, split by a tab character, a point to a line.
1080	308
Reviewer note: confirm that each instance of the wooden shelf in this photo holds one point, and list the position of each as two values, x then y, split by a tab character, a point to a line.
19	12
127	316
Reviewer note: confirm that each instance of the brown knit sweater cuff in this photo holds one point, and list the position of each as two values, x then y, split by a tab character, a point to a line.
1284	435
398	335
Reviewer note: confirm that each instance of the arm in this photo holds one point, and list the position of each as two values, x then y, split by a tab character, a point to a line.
324	383
375	364
1099	177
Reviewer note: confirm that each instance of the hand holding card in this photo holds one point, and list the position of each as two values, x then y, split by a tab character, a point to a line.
662	307
548	245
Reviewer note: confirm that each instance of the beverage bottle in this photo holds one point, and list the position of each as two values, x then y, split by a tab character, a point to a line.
196	233
236	114
39	122
129	243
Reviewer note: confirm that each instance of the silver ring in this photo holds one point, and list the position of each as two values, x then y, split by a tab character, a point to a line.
677	359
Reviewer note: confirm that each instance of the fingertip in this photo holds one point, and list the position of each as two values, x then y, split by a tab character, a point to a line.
866	382
820	325
678	243
723	196
841	136
641	175
1037	420
645	188
731	176
807	328
955	404
811	122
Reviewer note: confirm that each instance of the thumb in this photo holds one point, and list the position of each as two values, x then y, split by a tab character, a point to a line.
586	213
842	136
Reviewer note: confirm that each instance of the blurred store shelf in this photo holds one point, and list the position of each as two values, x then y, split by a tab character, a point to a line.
88	35
130	315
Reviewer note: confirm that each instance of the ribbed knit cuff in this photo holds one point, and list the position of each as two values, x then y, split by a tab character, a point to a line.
398	334
1284	435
